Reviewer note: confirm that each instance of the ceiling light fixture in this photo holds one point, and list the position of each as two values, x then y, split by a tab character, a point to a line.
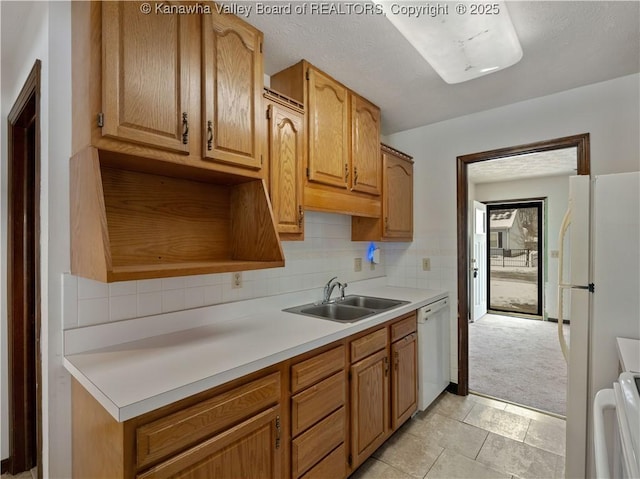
460	40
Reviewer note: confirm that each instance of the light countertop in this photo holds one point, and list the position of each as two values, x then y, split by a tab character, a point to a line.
629	354
135	366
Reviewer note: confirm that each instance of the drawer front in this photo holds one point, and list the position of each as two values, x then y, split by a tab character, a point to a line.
333	466
317	368
172	433
404	327
316	402
311	446
369	344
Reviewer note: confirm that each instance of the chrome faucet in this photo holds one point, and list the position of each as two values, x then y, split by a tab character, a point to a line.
328	289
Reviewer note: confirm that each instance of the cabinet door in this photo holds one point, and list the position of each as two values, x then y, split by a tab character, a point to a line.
404	382
369	405
397	205
145	76
249	450
286	156
366	163
233	83
328	115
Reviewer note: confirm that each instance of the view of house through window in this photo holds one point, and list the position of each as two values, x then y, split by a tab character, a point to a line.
514	268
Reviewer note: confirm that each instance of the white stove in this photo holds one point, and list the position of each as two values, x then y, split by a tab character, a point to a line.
625	399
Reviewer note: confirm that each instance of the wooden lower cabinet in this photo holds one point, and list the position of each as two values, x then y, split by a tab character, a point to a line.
404	400
248	450
369	406
233	431
316	416
319	414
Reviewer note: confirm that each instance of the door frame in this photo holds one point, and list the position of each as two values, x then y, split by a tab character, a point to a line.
539	204
20	339
580	142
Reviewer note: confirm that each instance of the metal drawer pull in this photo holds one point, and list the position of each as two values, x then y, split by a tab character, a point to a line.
209	135
185	129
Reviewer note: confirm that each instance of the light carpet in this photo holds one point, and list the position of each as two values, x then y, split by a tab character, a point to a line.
518	360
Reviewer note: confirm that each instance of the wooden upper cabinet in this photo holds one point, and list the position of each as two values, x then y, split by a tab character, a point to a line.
397	202
145	77
396	223
232	91
328	111
343	131
366	170
286	165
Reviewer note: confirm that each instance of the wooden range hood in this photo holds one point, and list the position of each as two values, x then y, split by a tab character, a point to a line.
133	218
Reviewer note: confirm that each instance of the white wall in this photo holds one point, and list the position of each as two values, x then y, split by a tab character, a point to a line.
43	33
18	57
609	111
556	191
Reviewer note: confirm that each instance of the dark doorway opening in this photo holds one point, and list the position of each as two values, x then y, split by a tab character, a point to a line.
23	279
514	257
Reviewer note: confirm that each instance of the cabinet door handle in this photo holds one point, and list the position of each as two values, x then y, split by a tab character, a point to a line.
386	223
396	360
355	176
386	366
300	216
209	135
278	432
346	172
185	129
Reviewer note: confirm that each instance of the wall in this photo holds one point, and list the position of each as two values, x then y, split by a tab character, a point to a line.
327	251
609	111
19	54
556	191
30	31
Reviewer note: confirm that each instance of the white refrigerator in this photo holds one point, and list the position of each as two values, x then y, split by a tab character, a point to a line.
604	291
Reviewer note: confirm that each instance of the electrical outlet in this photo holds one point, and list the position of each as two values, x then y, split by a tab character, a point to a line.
554	253
357	264
237	280
426	264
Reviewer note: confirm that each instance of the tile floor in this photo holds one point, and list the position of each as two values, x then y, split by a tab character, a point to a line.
471	437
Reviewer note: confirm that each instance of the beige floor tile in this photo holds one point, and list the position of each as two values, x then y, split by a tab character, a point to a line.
498	421
451	405
22	475
451	465
438	430
374	469
488	401
532	414
408	453
560	468
517	458
548	436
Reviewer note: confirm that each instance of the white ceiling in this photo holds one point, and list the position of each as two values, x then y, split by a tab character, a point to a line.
565	44
532	165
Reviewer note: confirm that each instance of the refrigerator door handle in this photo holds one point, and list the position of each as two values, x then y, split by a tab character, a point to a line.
566	221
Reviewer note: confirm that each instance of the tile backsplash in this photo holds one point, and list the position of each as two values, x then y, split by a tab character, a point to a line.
326	251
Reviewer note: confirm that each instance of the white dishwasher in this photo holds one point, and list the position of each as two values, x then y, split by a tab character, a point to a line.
433	351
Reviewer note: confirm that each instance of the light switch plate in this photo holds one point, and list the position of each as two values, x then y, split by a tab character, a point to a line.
237	280
426	264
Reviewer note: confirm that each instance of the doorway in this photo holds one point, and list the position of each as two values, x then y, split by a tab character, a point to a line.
23	279
579	142
514	264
